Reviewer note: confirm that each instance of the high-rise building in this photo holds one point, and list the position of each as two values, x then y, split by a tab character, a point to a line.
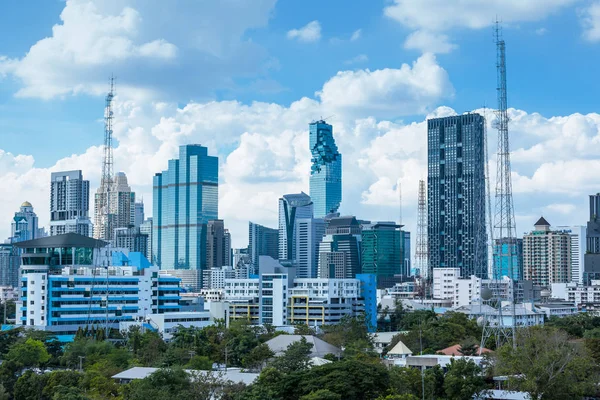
339	251
132	239
546	255
9	265
578	250
592	254
325	171
218	245
406	249
508	256
121	208
138	214
456	194
309	233
69	203
262	241
291	208
382	252
146	229
185	198
24	225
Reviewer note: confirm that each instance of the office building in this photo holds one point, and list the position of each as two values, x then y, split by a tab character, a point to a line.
121	206
24	225
578	249
262	241
591	268
382	253
505	262
138	214
407	254
456	194
291	208
72	281
146	229
131	239
69	203
309	233
214	278
185	198
546	255
9	265
339	251
218	245
325	171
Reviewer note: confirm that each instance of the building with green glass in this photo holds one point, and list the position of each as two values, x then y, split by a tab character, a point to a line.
382	248
185	198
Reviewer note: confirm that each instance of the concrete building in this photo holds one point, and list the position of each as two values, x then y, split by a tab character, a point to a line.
146	229
131	239
325	170
292	207
185	198
444	281
578	249
262	241
214	278
546	255
525	314
121	207
24	225
9	265
309	234
69	204
456	194
340	249
138	214
218	245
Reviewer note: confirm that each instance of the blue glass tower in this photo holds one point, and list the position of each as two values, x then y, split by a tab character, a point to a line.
501	258
185	198
325	171
456	194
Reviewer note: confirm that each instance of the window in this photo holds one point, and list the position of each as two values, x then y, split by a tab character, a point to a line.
31	302
32	283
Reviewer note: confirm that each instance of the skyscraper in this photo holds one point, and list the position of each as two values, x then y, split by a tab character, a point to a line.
138	214
339	251
24	225
9	265
578	250
592	254
69	203
456	194
121	208
262	241
218	245
503	263
546	255
185	198
382	250
146	228
132	239
325	170
309	233
291	208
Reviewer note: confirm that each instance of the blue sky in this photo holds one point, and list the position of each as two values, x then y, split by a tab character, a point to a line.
246	77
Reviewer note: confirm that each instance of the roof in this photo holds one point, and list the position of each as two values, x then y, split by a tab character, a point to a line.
385	337
26	204
318	361
280	343
297	199
234	375
400	349
343	221
66	240
542	222
502	395
455	350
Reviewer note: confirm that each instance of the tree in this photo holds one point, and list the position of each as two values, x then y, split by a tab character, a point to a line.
468	347
30	386
592	343
61	379
463	380
398	397
547	366
31	353
295	358
200	363
303	329
257	357
321	394
162	384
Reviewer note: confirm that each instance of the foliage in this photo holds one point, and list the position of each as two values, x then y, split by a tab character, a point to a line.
463	380
469	347
295	358
547	366
30	386
200	363
257	357
321	394
31	353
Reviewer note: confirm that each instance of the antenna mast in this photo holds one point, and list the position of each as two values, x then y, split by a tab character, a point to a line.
422	251
504	229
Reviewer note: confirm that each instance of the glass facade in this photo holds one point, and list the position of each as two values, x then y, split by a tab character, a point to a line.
185	198
456	194
505	261
382	250
325	171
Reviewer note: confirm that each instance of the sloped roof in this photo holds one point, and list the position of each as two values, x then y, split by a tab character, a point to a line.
232	374
279	344
66	240
400	349
542	222
454	350
343	221
318	361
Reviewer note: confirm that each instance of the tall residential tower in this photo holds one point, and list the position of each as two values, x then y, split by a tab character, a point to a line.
69	203
325	170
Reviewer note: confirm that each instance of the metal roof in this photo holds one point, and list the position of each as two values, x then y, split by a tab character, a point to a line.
542	221
320	348
233	375
66	240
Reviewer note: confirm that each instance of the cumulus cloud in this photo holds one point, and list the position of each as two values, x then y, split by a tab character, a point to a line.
429	42
590	21
356	35
311	32
391	92
361	58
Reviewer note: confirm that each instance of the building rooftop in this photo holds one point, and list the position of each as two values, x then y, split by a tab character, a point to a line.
455	350
400	349
320	348
343	221
542	222
234	375
26	204
66	240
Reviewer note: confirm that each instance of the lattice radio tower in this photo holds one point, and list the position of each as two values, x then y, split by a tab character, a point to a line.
103	218
504	229
422	251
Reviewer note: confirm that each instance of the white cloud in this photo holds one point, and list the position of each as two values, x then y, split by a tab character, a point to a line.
429	42
390	92
356	35
361	58
311	32
541	31
590	20
561	208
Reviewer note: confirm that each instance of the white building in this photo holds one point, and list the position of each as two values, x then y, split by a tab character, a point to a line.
214	278
121	207
468	291
585	298
525	314
309	234
292	207
444	282
546	255
578	248
69	203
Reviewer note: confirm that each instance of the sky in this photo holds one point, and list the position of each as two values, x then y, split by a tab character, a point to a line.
245	78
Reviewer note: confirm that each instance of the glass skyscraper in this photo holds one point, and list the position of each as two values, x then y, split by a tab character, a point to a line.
503	263
325	171
185	198
456	194
382	249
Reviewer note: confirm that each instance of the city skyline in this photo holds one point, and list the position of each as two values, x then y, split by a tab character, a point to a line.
257	125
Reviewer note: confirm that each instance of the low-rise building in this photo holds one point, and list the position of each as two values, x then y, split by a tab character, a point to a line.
525	314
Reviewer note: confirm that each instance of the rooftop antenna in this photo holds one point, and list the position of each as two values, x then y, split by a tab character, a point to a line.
422	250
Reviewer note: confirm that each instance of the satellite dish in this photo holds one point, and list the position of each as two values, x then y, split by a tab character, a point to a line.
480	321
486	294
